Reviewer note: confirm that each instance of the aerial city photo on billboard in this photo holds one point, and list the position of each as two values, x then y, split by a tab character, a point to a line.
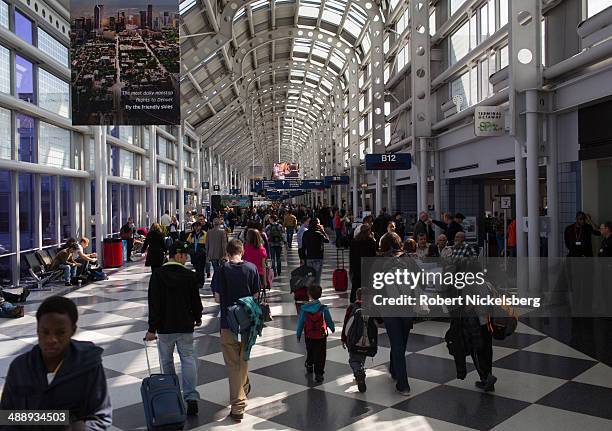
125	62
285	170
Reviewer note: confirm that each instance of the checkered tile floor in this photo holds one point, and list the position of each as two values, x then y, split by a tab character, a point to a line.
542	384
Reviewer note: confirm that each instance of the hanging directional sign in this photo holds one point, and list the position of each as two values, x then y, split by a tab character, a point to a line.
234	191
216	187
205	185
388	162
288	185
337	180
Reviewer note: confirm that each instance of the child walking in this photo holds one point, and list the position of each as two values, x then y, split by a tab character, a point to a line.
314	320
359	347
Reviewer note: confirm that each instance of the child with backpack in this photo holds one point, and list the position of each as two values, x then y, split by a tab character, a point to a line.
314	320
360	336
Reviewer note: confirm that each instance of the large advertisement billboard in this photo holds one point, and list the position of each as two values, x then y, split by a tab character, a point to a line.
125	62
285	170
240	201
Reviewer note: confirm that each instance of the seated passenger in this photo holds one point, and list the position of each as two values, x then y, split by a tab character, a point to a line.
64	260
9	310
59	373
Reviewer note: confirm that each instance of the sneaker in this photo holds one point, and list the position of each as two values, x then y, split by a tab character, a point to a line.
236	416
319	378
192	407
404	392
67	284
309	368
360	379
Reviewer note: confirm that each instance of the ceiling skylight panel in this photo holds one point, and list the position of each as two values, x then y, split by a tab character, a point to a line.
259	4
186	5
309	8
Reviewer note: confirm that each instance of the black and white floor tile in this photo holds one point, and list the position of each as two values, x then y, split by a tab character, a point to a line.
542	385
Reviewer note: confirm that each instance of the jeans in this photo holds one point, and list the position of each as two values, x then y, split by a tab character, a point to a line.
290	232
338	236
198	260
398	330
186	351
6	308
276	252
356	361
69	272
317	265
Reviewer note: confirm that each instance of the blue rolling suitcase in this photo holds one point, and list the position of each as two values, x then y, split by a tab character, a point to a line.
162	401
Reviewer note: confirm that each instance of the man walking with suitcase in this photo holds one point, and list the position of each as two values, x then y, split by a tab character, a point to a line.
175	309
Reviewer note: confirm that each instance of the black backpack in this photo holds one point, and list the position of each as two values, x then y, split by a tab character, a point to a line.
361	333
301	278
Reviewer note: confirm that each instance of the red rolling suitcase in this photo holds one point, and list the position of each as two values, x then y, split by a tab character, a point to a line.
340	276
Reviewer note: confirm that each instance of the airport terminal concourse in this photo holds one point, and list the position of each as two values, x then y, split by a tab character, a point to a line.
196	195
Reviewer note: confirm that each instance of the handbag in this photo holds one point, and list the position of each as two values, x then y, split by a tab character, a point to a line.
266	312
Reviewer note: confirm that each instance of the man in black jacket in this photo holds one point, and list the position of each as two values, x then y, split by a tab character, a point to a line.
175	309
450	225
312	243
59	373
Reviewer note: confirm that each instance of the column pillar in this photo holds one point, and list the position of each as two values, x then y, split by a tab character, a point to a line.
181	174
100	194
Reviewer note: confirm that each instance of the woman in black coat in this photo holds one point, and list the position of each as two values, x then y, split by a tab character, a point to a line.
156	245
363	245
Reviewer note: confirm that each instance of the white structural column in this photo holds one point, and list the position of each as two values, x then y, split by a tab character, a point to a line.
353	120
100	195
181	172
378	99
552	190
420	80
525	80
152	210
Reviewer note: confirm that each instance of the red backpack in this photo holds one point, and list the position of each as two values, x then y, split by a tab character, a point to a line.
315	326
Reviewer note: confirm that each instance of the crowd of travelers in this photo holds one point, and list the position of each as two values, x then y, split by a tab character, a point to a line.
63	373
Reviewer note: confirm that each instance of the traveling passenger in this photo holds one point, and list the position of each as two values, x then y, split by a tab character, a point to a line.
511	234
235	279
231	220
605	249
423	225
216	243
127	233
313	242
197	241
356	360
398	328
9	310
380	224
462	249
363	245
450	225
578	236
276	237
290	223
300	235
255	252
400	225
173	229
155	247
85	259
422	249
64	260
369	220
165	219
337	224
440	248
59	373
409	247
315	320
175	309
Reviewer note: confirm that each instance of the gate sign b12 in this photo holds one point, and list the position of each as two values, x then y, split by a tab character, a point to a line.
388	162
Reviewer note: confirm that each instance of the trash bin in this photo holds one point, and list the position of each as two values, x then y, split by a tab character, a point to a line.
124	255
112	252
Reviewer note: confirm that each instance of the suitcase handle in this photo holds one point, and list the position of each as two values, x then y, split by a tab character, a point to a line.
144	341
